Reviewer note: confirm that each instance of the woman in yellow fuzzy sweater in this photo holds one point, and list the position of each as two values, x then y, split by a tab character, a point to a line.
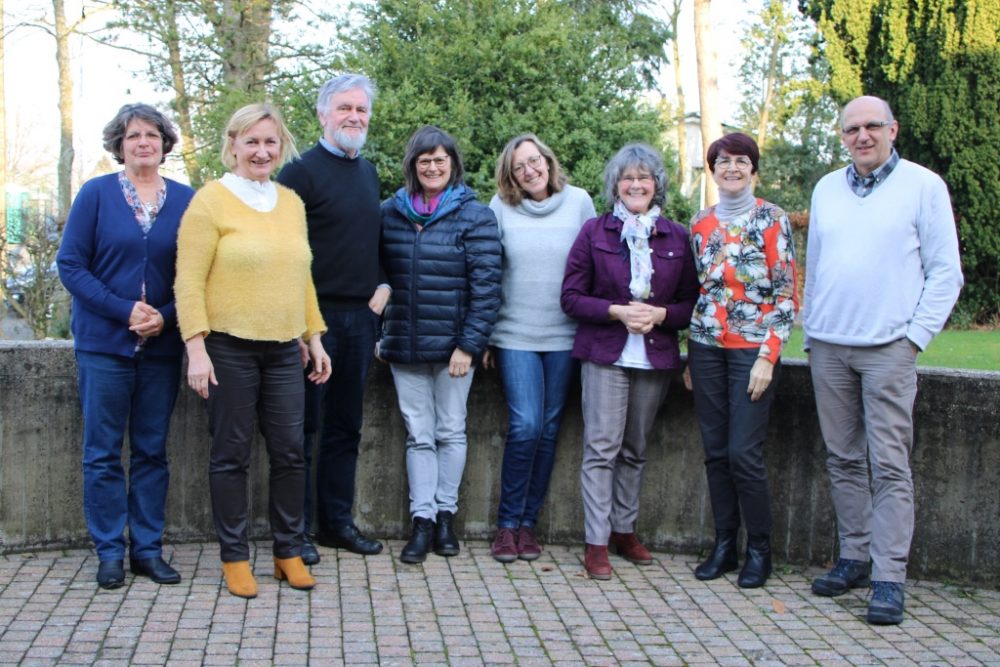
248	314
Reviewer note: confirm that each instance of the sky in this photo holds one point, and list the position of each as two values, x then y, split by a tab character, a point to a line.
105	78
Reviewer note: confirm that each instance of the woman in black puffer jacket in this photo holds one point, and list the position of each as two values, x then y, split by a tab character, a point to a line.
441	251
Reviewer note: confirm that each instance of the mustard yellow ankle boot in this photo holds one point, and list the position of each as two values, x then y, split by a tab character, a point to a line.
239	579
295	571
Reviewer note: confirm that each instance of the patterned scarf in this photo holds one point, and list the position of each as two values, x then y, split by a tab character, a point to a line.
635	232
144	214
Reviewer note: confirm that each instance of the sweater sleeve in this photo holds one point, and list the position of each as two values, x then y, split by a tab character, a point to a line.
941	264
197	240
76	255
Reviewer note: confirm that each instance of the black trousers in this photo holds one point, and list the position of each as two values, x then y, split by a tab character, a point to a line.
733	429
259	381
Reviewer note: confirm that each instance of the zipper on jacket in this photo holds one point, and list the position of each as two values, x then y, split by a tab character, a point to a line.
413	295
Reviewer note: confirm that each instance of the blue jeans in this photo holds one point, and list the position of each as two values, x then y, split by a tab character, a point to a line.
115	393
535	384
350	342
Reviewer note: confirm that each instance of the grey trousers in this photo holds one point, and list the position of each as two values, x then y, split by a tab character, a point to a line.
864	398
433	405
619	407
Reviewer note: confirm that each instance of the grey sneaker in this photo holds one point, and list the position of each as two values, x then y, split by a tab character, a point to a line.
844	576
886	605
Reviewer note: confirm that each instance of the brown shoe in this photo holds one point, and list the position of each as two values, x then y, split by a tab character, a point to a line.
628	547
596	561
504	547
527	547
239	579
295	571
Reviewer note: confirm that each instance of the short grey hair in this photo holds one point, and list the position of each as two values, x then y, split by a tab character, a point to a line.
641	156
114	131
339	84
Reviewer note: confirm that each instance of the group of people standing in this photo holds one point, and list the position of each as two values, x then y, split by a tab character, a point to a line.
259	279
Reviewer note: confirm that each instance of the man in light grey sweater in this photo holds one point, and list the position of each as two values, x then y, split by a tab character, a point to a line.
882	275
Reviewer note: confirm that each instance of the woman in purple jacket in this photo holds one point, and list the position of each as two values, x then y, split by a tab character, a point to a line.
631	283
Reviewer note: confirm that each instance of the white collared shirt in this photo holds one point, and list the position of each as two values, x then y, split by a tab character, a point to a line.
259	196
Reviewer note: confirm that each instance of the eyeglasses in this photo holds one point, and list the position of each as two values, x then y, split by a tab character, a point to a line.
535	162
425	163
638	178
739	162
852	130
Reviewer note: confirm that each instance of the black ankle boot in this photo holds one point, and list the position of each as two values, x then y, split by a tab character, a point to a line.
757	567
722	559
416	549
445	542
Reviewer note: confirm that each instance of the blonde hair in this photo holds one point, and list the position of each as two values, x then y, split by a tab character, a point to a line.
244	119
508	189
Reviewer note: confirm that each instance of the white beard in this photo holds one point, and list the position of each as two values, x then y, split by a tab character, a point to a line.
348	142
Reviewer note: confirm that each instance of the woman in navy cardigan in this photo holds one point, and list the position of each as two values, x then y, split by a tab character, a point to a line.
630	282
117	260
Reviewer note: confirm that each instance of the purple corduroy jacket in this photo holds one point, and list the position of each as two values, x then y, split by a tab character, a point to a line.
598	274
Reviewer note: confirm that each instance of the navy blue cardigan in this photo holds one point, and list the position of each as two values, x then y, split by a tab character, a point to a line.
104	258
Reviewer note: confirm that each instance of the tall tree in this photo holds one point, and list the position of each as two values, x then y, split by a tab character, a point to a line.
64	169
708	88
571	71
683	166
3	151
937	63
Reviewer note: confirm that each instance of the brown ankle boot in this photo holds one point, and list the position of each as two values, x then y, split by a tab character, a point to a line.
239	579
295	571
596	561
628	547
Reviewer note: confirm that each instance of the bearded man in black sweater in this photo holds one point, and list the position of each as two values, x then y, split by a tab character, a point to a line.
341	194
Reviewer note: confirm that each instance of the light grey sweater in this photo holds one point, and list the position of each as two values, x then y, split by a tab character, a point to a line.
536	238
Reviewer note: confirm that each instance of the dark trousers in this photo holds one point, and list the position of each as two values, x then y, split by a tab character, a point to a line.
733	429
350	342
258	380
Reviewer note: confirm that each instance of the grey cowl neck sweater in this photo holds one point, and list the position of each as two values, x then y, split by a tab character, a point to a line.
540	209
733	206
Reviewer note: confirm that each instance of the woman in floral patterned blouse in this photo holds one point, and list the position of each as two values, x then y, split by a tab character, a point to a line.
744	314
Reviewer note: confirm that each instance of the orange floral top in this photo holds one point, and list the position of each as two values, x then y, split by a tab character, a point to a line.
746	267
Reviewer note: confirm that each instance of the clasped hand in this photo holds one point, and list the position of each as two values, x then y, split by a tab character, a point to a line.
145	320
638	317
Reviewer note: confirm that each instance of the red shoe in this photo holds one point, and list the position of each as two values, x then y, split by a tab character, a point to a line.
628	547
504	548
596	561
527	547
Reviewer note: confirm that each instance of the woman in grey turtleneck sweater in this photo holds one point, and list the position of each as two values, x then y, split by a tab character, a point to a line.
746	264
539	216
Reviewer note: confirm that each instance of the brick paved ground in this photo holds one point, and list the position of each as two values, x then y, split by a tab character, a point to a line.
470	610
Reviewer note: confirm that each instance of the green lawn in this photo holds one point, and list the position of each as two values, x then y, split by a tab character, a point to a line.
973	349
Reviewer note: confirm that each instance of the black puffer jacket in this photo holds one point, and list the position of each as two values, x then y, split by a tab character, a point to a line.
445	279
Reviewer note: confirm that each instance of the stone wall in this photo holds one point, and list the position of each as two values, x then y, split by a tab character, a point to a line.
956	463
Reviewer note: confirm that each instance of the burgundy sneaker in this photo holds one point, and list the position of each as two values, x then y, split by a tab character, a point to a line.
504	548
527	547
628	547
596	561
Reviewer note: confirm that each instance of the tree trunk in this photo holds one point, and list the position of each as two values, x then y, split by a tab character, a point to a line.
770	80
3	157
182	100
682	154
708	88
243	31
64	170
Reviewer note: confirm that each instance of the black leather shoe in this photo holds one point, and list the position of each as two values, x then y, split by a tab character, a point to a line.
757	567
154	568
309	554
416	549
349	537
844	576
722	559
111	574
445	542
886	605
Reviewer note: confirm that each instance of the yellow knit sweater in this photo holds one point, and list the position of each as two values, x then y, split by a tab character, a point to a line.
244	272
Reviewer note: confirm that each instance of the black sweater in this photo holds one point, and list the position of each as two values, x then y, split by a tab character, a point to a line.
342	210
